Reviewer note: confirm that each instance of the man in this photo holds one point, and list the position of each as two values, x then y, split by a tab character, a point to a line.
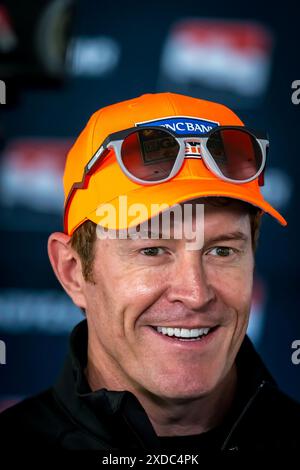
162	360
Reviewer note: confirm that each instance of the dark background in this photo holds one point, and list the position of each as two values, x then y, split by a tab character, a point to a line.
49	102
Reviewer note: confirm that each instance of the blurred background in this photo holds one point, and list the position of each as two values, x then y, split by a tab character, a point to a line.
61	60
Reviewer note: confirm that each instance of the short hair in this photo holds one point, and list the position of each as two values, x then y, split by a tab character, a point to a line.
84	237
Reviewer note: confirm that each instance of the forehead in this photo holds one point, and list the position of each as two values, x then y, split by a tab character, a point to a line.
195	215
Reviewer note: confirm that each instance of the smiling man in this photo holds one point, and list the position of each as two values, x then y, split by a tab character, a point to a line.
173	347
162	360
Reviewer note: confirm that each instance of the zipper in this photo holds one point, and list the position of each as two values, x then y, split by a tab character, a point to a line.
134	433
237	422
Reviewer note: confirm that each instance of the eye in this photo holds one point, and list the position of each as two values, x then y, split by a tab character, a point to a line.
152	251
222	251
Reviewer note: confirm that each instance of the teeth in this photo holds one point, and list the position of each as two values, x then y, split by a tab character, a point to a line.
183	332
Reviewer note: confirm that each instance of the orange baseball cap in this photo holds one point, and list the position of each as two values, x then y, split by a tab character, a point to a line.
108	182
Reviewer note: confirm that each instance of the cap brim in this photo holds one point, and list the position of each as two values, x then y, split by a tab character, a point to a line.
170	194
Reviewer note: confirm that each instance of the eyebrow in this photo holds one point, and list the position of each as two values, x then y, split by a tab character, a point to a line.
149	234
237	235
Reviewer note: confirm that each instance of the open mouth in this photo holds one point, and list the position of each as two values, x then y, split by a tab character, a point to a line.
184	334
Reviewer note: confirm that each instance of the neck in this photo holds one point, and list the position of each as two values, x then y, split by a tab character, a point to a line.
191	416
169	417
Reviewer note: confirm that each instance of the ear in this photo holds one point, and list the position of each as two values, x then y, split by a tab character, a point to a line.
67	267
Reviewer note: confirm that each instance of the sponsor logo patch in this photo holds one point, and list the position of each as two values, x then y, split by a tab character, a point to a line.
182	125
164	148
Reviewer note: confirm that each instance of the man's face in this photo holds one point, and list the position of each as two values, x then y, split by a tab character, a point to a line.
141	285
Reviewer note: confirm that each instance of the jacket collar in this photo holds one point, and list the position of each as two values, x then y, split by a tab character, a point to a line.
107	414
113	415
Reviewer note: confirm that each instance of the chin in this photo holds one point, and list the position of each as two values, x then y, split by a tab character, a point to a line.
185	390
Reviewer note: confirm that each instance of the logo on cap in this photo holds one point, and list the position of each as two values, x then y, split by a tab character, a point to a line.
182	125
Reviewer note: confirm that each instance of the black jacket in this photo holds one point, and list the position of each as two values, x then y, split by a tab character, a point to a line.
70	416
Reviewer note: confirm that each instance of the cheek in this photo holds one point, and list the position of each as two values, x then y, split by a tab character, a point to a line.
238	296
233	287
238	290
120	296
234	282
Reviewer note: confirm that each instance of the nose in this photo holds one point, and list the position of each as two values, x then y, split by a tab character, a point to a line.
190	283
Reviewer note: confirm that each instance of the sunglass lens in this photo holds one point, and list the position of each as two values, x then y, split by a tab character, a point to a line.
236	153
149	154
